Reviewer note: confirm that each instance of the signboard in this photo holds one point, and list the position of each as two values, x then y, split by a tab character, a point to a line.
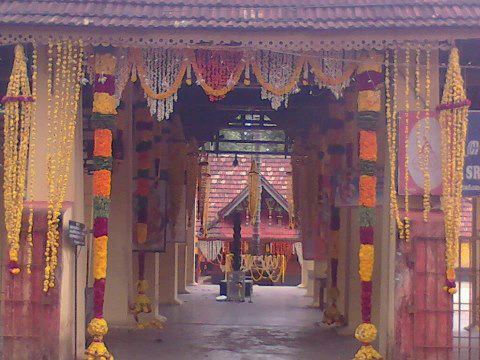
76	233
418	141
471	169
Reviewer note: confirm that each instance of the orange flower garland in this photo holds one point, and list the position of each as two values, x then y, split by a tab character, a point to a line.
103	145
103	120
368	145
369	105
101	183
368	188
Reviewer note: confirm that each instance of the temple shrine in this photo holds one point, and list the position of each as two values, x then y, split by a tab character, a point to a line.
240	179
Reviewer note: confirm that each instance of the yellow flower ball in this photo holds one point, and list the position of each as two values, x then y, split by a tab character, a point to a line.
97	327
366	333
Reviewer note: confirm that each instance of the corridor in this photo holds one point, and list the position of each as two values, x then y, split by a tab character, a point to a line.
277	325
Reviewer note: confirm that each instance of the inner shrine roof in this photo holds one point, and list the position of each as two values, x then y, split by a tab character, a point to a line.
246	14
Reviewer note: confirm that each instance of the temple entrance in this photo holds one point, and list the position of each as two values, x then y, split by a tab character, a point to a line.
244	168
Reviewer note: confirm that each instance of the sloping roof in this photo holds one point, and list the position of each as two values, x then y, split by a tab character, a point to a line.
231	14
228	181
227	210
229	185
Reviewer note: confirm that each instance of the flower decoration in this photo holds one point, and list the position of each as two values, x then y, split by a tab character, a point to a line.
369	105
103	120
453	122
18	130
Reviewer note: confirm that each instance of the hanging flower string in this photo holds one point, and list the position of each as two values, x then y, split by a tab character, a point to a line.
31	161
65	60
17	134
104	122
453	123
254	192
369	105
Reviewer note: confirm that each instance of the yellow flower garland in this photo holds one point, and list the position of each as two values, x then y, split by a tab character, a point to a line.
65	60
254	192
453	122
366	256
18	122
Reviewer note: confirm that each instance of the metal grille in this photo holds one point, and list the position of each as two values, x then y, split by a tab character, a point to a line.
466	336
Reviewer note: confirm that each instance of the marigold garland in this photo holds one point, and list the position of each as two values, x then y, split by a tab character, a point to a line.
367	185
368	145
392	119
104	103
101	182
103	145
103	120
65	59
217	83
406	220
18	135
368	104
453	123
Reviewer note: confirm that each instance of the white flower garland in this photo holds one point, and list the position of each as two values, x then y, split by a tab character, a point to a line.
333	66
122	73
162	68
277	69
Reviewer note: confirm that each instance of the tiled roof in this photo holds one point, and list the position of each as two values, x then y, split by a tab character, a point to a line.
265	14
229	181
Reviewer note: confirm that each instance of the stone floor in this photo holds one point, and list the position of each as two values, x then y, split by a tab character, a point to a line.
277	325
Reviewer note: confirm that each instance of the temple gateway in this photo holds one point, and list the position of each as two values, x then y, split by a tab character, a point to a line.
240	179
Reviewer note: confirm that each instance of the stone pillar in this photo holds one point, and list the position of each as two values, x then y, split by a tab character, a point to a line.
308	266
119	285
303	265
182	269
190	255
180	238
316	275
168	276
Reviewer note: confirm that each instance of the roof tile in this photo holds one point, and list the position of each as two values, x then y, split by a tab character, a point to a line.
308	14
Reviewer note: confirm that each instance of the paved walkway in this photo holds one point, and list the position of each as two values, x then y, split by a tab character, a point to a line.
277	325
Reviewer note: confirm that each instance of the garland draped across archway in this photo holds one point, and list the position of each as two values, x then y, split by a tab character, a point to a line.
218	72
